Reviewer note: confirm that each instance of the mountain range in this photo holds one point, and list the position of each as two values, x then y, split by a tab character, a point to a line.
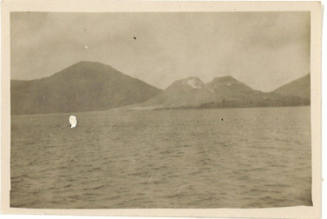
90	86
228	92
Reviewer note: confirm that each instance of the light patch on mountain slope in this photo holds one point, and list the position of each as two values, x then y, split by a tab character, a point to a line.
194	83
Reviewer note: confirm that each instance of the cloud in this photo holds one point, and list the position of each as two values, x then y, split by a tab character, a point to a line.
262	49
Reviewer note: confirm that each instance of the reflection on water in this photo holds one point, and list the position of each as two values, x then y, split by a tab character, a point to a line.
257	157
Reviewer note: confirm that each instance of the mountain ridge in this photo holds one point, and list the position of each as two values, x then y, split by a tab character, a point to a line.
221	92
89	86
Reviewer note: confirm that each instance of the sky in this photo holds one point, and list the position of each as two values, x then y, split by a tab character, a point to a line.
262	49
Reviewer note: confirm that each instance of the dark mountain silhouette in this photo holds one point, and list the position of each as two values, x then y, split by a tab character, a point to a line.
220	92
88	86
84	86
298	88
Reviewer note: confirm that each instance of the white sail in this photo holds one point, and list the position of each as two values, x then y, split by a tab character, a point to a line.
72	121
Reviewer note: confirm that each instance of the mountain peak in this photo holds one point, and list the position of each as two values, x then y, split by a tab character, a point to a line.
91	64
87	69
84	62
224	79
194	82
189	82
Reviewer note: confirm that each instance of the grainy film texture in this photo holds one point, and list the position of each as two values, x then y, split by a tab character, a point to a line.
160	110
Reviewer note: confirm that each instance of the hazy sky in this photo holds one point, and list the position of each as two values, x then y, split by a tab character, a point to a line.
264	50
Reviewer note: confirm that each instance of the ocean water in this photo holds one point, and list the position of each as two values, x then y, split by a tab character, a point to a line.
255	157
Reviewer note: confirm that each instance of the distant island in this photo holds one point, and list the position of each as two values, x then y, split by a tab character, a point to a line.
91	86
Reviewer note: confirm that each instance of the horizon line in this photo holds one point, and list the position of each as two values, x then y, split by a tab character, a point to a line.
101	63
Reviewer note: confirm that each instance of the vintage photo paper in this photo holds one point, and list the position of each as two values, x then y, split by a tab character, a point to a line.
148	108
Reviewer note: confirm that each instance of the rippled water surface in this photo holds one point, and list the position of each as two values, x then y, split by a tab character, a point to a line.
256	157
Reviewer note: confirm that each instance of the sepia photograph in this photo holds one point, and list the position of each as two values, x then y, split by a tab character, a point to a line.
160	110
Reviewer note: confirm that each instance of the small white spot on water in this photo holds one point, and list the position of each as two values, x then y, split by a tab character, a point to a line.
72	121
